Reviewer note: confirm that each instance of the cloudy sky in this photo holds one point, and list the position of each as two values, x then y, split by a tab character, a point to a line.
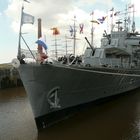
54	13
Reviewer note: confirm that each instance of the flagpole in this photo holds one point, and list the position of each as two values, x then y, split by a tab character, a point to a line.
107	22
133	24
66	44
112	18
56	47
92	29
125	25
128	19
19	41
133	14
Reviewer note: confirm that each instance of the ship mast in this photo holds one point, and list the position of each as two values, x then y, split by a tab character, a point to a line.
25	18
66	45
133	24
55	41
125	20
55	33
74	36
112	19
19	41
56	46
20	32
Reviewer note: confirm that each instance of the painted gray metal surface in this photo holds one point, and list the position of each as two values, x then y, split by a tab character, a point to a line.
66	86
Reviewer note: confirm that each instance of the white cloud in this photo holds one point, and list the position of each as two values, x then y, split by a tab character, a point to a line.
52	12
93	2
58	14
48	10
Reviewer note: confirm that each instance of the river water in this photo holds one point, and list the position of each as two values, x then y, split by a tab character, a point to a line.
115	119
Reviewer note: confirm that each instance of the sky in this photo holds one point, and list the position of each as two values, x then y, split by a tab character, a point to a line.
55	13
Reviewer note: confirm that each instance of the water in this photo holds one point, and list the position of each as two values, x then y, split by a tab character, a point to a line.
16	117
115	119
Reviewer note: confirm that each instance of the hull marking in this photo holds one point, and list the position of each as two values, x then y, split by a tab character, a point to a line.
53	99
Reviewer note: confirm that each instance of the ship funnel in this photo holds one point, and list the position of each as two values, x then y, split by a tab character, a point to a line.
39	28
39	34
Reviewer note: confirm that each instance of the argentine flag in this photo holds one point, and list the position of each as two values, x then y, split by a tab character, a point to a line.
42	42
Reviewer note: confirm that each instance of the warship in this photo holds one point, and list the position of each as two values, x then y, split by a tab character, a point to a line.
106	71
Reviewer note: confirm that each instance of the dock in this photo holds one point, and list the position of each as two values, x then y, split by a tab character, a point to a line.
9	76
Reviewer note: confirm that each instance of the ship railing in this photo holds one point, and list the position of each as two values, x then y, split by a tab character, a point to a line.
106	62
114	62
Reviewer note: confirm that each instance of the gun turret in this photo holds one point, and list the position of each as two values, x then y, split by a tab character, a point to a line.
89	44
107	36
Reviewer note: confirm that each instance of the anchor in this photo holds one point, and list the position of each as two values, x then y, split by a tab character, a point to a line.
53	99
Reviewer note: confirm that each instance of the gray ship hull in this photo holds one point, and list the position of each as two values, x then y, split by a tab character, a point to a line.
52	88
